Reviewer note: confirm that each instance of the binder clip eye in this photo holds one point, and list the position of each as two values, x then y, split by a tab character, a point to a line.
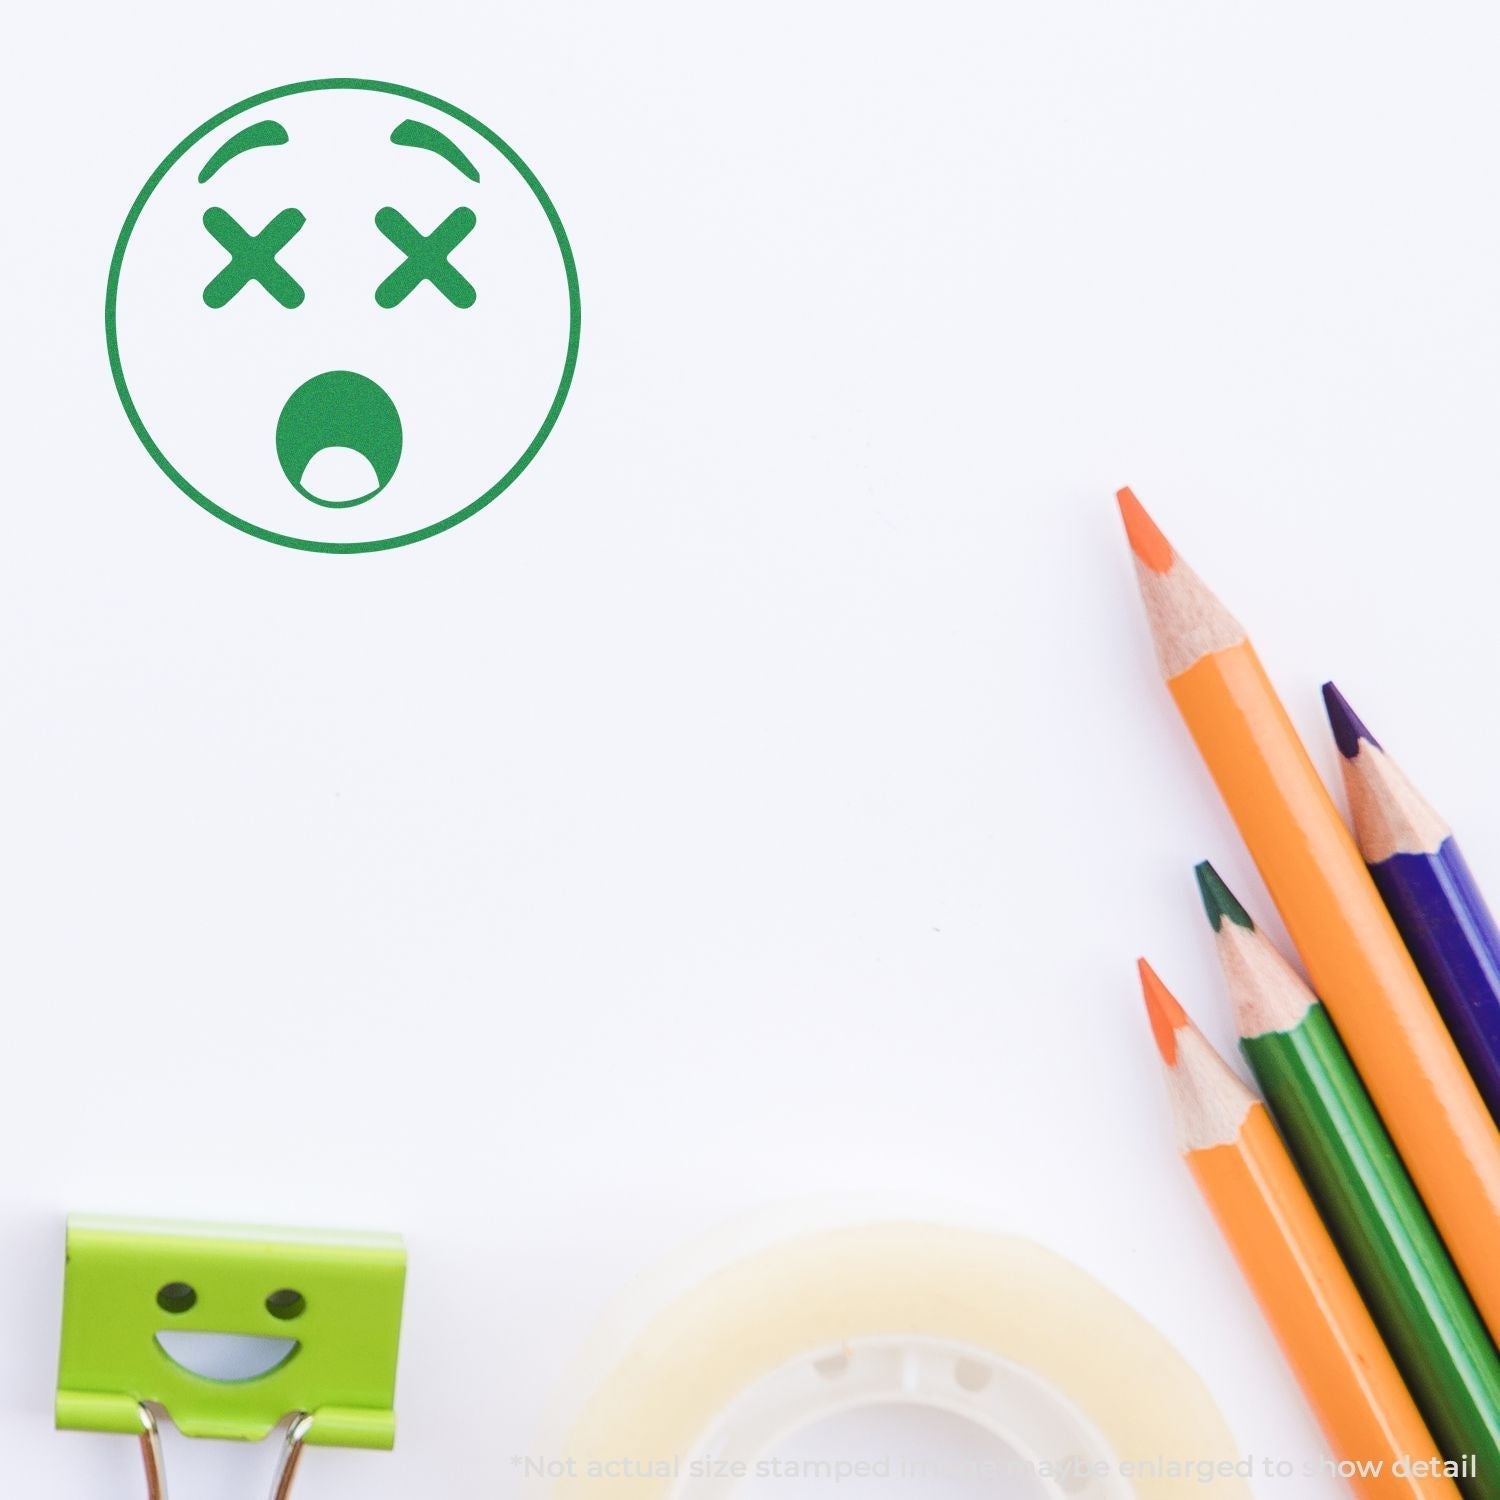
230	1333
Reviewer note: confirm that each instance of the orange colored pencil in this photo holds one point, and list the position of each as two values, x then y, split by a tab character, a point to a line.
1353	953
1325	1332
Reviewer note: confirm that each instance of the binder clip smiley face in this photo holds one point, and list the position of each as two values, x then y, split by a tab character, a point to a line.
230	1333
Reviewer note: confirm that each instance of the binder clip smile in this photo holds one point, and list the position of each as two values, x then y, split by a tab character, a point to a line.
312	1319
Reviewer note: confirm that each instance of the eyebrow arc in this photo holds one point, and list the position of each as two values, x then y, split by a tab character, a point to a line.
426	138
262	133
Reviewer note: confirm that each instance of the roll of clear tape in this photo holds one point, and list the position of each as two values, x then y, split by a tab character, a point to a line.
1088	1396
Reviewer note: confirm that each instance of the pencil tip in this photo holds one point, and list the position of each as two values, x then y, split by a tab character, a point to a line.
1348	728
1146	541
1219	901
1165	1014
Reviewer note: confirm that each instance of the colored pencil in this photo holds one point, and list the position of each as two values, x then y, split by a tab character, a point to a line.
1388	1241
1353	953
1429	891
1291	1263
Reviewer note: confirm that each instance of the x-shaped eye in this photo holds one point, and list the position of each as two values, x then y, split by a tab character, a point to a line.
426	257
252	257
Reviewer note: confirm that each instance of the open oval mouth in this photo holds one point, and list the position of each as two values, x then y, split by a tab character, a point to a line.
225	1356
338	439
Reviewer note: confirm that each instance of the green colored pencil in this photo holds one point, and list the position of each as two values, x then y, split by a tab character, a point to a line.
1434	1333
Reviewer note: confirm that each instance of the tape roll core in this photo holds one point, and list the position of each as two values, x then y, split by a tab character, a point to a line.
1032	1418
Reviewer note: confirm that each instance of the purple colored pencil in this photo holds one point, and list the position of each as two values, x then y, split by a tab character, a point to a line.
1430	893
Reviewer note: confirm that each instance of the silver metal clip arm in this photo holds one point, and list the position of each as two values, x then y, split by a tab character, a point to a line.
281	1481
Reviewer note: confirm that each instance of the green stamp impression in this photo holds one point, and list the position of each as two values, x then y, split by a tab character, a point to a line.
342	315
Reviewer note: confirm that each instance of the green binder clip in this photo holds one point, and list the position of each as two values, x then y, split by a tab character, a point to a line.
311	1322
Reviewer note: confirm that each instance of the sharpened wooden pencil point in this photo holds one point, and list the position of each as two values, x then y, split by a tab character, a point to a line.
1187	622
1390	816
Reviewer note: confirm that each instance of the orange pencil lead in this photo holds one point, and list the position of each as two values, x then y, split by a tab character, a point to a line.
1146	540
1164	1011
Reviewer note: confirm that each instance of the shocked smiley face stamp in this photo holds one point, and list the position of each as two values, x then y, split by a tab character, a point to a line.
343	315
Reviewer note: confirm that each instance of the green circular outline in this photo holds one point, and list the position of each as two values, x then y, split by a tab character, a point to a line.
311	86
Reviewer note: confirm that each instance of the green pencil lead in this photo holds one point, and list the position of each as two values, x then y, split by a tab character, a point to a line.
1218	899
